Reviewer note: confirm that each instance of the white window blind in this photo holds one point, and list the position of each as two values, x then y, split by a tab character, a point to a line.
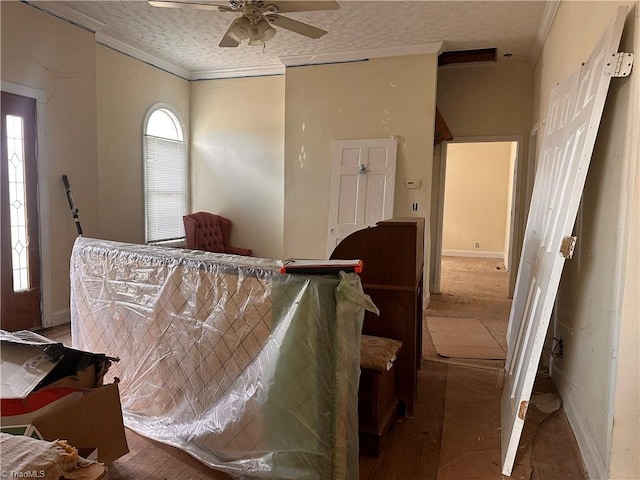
165	188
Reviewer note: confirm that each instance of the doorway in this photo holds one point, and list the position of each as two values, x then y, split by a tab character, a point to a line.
20	285
476	206
477	211
474	225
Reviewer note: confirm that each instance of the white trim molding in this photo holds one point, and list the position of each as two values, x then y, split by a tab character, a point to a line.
44	213
93	25
591	457
360	55
262	71
69	15
317	59
59	317
473	253
140	55
550	10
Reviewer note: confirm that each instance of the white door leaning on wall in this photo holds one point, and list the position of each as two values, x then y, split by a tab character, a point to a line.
575	108
362	186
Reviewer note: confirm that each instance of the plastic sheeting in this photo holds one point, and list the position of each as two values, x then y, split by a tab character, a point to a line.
253	372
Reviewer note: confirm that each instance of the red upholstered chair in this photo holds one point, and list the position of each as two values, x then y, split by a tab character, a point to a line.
210	232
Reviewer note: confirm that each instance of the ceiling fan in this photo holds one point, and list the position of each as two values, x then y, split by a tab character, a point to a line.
257	17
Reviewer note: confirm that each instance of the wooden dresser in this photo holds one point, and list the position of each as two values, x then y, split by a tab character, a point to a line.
393	257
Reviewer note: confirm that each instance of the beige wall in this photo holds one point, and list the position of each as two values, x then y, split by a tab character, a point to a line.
237	157
597	305
625	447
36	54
476	199
492	100
371	99
126	90
486	100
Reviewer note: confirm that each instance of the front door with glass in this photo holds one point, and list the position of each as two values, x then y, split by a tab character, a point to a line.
19	235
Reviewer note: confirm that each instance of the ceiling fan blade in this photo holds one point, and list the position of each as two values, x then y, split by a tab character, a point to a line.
229	39
296	26
190	5
301	6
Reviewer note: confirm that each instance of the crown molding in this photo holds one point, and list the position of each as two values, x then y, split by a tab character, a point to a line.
84	21
359	55
317	59
238	72
91	24
550	10
141	55
68	14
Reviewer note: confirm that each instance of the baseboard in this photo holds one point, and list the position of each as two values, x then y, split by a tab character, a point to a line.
472	253
58	318
594	464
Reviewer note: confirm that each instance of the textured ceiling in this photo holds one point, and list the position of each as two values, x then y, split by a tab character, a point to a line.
188	39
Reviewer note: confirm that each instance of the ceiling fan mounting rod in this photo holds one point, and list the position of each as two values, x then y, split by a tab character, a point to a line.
251	13
240	4
258	8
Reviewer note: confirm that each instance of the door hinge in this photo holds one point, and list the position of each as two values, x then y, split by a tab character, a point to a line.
567	246
619	65
522	411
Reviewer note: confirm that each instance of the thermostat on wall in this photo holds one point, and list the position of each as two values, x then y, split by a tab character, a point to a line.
413	183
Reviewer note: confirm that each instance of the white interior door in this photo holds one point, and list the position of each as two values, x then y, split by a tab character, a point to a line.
573	118
362	186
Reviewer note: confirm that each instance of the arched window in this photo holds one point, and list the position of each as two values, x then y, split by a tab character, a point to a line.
165	175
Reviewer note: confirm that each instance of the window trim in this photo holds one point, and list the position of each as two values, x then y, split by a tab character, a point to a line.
185	136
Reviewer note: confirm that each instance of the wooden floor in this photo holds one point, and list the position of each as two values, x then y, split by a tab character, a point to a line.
419	448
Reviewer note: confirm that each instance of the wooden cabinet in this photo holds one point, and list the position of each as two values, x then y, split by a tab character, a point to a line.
393	257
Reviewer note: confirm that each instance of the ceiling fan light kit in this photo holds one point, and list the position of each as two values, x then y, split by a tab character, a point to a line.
257	18
241	28
260	32
267	32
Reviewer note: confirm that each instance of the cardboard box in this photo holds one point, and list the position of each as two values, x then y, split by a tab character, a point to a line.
93	421
52	392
